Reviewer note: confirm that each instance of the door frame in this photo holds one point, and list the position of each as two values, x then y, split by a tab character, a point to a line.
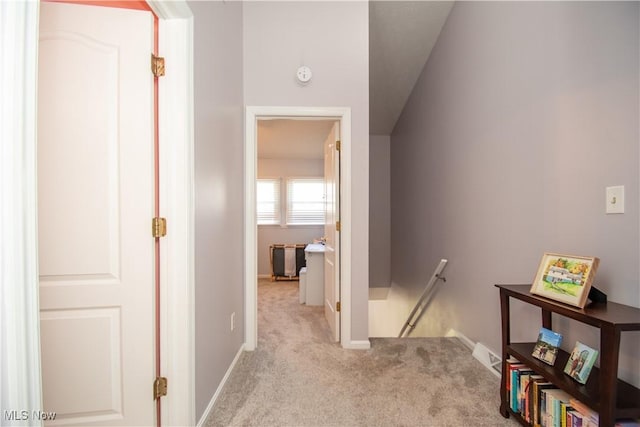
177	204
252	115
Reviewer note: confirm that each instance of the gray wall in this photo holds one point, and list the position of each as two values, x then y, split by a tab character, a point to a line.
522	116
332	39
272	234
219	202
379	211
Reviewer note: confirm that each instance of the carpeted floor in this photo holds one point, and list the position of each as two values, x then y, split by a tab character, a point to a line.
297	377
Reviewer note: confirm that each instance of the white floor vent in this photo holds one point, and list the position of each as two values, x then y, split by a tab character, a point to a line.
488	358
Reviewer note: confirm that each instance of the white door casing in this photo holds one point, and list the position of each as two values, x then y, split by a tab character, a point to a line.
343	116
95	202
20	347
331	233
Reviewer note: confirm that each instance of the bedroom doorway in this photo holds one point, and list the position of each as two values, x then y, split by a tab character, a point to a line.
297	195
337	122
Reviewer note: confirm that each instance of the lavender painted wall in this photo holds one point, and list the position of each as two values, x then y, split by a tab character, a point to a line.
379	211
332	39
219	202
522	116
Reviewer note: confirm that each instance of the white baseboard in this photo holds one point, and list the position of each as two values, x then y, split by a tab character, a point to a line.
466	341
481	352
359	345
207	411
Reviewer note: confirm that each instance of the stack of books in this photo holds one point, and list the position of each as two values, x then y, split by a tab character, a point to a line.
542	404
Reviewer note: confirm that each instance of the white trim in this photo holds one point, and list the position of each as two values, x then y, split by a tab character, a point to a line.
480	351
457	334
177	275
20	381
212	402
170	9
250	233
358	345
251	259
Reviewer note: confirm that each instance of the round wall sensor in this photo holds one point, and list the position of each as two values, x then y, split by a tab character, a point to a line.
304	74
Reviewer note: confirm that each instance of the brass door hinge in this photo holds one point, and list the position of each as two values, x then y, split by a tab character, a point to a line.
157	65
338	145
337	225
338	306
159	227
159	388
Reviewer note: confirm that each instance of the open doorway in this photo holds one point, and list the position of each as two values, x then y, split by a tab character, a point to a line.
290	166
264	120
297	194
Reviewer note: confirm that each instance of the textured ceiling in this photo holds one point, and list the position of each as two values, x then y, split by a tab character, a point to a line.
401	37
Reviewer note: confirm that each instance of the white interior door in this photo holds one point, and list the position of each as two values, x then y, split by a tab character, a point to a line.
95	204
332	235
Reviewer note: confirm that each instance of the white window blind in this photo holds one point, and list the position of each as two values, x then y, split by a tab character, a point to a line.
268	201
305	201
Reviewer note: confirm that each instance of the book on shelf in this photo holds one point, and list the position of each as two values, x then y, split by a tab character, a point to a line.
529	398
580	362
588	415
517	372
574	419
565	407
553	408
537	404
546	348
512	390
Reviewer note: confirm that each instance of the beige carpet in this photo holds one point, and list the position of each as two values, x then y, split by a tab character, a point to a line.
297	377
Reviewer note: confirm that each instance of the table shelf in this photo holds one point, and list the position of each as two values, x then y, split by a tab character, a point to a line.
604	393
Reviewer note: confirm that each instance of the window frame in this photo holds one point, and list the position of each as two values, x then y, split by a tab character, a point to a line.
284	201
278	204
288	203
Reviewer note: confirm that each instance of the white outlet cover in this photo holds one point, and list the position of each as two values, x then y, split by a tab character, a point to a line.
304	74
615	199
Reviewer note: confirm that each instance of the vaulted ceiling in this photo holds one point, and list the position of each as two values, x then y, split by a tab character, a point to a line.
401	37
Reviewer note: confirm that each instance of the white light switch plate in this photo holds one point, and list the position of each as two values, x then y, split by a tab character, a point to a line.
615	199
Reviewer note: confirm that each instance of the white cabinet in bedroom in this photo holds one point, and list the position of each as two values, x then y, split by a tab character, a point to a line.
314	292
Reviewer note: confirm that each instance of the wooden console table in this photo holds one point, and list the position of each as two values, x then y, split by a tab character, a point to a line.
604	392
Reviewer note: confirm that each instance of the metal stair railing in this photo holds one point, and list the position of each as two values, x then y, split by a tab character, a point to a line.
424	300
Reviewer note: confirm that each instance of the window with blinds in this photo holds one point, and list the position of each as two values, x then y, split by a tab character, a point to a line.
305	201
268	201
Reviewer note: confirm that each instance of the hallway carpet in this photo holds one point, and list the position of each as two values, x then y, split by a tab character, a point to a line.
297	377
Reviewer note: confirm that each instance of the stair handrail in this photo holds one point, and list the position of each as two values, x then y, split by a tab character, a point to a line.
424	300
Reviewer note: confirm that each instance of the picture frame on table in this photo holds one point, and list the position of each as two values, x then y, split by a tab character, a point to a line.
565	278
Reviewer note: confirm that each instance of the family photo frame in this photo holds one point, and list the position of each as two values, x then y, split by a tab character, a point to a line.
565	278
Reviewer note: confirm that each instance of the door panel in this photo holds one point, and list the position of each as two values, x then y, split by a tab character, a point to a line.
78	111
95	204
98	369
332	235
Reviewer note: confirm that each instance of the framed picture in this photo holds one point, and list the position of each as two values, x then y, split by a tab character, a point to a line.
580	362
565	278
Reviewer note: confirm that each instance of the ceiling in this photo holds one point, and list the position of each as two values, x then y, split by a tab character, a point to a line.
401	37
292	138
